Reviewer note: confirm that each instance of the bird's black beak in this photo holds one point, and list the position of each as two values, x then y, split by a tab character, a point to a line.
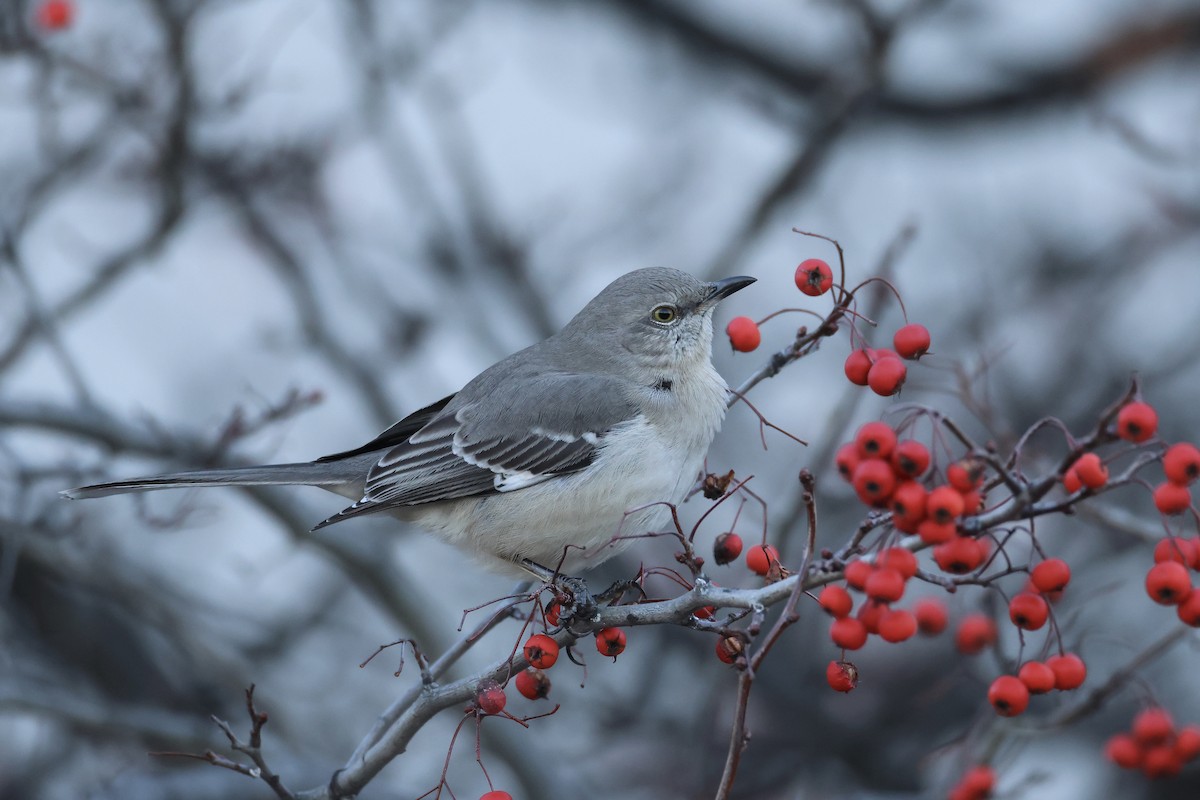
719	290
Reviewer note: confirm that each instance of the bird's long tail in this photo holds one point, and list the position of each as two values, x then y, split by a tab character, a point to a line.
332	475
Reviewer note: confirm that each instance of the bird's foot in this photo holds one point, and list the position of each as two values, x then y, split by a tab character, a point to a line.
573	596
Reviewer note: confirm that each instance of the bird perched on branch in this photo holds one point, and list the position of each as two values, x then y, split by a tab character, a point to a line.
550	456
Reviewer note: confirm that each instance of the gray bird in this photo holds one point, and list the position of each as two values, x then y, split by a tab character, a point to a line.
550	456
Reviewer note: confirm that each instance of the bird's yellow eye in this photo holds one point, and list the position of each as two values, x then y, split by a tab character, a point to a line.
664	314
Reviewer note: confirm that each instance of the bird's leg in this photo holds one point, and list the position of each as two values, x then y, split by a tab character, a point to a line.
579	603
617	591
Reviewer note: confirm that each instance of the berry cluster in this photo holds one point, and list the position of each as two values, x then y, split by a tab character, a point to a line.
882	369
1154	745
759	560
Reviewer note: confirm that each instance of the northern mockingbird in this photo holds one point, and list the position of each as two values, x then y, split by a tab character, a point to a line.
550	454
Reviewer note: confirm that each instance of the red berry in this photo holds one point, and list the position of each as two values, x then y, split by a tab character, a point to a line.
814	277
934	532
910	458
744	334
1008	696
847	459
908	502
972	502
1069	671
553	612
541	651
944	504
1160	761
978	782
1181	463
897	625
1172	498
875	440
610	642
931	616
874	481
856	573
886	376
848	633
761	557
496	794
899	559
727	547
960	555
1137	422
1153	726
1124	751
1091	471
54	15
836	601
490	698
841	675
1036	676
966	474
729	648
1071	481
1187	742
704	613
975	634
885	585
1175	548
870	613
1168	583
911	341
1028	611
1052	575
532	683
1189	609
857	366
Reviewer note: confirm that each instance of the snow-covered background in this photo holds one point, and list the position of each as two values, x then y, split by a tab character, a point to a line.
206	205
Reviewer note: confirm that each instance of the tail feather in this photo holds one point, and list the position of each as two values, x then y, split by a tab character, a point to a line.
332	475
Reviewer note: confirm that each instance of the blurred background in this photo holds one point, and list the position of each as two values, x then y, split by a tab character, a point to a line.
236	232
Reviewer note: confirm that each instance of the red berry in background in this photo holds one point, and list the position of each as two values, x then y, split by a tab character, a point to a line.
897	625
553	612
1189	609
847	459
841	675
490	698
944	504
704	613
532	683
911	341
874	481
1187	742
729	648
910	458
1028	611
1037	677
870	613
54	15
908	502
1069	671
1124	751
899	559
1153	726
1168	583
1137	422
857	365
814	277
960	555
932	616
1172	498
885	585
541	651
875	440
1181	463
1008	696
857	572
836	601
886	376
744	334
727	547
975	634
1091	470
1071	481
1052	575
610	642
977	783
496	794
848	633
934	532
1160	761
761	557
1175	548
